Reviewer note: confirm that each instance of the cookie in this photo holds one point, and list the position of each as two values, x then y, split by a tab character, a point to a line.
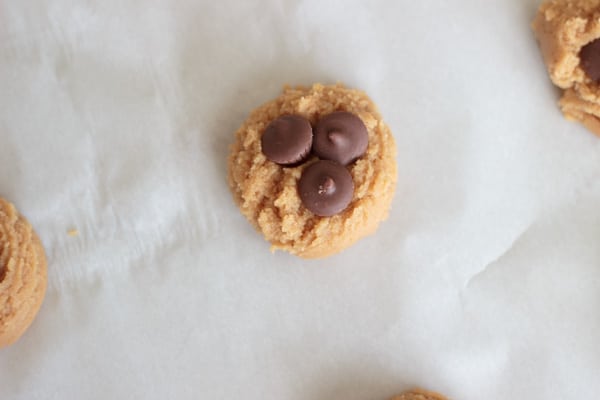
23	275
419	394
568	32
311	209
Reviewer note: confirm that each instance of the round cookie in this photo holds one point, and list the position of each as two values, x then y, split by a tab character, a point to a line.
419	394
22	274
267	194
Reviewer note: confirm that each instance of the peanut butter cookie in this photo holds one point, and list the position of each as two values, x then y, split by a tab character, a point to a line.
22	274
568	32
314	170
419	394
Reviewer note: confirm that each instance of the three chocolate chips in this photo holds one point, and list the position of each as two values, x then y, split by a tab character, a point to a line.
338	139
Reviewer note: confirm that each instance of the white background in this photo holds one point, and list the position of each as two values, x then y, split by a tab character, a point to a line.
115	119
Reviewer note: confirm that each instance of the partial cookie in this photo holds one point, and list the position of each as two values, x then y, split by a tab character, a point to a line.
568	33
419	394
22	274
267	189
577	108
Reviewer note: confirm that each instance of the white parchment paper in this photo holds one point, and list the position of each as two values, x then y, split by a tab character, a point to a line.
115	118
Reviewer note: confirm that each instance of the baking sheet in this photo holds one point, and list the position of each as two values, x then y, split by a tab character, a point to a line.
115	118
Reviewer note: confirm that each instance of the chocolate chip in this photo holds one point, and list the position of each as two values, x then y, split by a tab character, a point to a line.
326	188
341	137
287	140
590	59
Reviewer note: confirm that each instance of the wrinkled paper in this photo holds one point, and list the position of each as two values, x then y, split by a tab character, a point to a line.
115	121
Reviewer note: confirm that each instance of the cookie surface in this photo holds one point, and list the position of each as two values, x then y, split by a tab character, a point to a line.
267	193
22	274
567	31
419	394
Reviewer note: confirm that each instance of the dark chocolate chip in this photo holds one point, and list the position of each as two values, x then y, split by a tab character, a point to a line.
590	59
287	140
326	188
341	137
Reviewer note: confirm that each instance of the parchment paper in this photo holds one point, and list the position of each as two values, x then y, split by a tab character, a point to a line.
115	121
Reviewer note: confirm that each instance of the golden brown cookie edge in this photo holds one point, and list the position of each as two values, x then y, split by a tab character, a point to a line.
419	394
13	326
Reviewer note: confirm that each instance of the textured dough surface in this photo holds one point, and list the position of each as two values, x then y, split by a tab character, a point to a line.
562	28
267	193
22	274
577	108
419	395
